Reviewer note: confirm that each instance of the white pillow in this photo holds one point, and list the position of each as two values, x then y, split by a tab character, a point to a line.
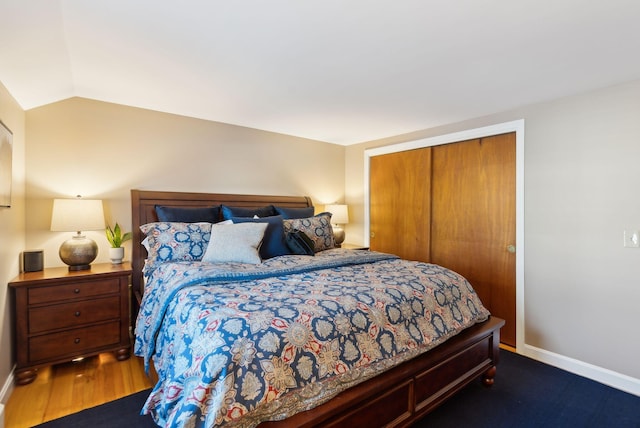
235	243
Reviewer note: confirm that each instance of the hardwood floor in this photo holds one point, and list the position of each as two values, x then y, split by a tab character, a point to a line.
68	388
508	347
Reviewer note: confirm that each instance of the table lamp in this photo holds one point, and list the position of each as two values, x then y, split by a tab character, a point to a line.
339	216
77	215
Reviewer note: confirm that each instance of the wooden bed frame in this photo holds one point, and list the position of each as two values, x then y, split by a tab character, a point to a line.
397	397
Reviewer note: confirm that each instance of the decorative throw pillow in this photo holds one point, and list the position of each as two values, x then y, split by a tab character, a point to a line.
318	228
188	215
230	212
274	243
300	243
237	243
175	241
289	213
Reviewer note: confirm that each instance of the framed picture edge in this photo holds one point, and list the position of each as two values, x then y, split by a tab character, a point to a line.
6	159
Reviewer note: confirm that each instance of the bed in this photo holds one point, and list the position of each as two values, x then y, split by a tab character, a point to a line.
324	372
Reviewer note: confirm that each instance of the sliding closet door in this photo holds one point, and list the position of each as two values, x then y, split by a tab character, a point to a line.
400	203
473	219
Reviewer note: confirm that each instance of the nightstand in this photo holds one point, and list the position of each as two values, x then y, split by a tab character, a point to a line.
354	247
61	316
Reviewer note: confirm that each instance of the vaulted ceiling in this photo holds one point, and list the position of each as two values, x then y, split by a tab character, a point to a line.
341	71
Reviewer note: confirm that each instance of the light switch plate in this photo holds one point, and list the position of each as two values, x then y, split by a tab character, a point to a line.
632	239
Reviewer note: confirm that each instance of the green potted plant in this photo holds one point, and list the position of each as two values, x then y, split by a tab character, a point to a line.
116	238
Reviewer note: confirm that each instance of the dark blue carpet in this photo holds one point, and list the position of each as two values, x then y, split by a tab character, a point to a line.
122	413
526	393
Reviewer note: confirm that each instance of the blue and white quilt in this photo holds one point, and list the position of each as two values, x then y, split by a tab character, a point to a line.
237	344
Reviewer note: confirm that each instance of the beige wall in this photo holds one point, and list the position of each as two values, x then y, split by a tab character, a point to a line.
12	231
102	150
581	191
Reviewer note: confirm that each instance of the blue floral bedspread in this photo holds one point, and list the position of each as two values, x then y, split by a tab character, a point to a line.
237	344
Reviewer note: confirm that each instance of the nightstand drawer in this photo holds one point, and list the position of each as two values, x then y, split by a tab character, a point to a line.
61	293
73	342
73	314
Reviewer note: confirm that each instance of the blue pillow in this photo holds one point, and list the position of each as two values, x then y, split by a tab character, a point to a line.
273	243
289	213
229	212
188	215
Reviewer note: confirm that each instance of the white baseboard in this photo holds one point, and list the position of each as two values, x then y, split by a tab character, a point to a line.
6	390
599	374
5	393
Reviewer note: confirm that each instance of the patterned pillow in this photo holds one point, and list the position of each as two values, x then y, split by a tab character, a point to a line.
237	243
175	242
318	228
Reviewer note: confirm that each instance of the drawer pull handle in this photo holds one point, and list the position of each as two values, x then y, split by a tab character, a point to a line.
77	340
77	291
77	313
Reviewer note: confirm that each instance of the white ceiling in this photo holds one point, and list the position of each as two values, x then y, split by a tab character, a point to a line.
341	71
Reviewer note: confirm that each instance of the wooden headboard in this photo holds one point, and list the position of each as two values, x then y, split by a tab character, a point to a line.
143	204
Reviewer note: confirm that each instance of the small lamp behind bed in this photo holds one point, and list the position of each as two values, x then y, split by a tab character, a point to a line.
339	216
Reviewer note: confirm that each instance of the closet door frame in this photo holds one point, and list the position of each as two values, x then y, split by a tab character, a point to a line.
516	126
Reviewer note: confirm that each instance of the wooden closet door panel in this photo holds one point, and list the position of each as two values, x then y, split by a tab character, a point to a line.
400	203
473	219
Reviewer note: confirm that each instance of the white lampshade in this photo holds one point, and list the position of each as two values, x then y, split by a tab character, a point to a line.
340	213
76	215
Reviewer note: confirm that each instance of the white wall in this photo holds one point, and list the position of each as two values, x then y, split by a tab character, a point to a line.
12	229
582	287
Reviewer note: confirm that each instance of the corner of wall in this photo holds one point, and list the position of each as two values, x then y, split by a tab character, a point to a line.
12	230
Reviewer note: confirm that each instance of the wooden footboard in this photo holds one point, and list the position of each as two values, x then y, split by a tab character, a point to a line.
404	394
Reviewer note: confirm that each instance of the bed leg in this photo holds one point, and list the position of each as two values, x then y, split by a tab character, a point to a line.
487	377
